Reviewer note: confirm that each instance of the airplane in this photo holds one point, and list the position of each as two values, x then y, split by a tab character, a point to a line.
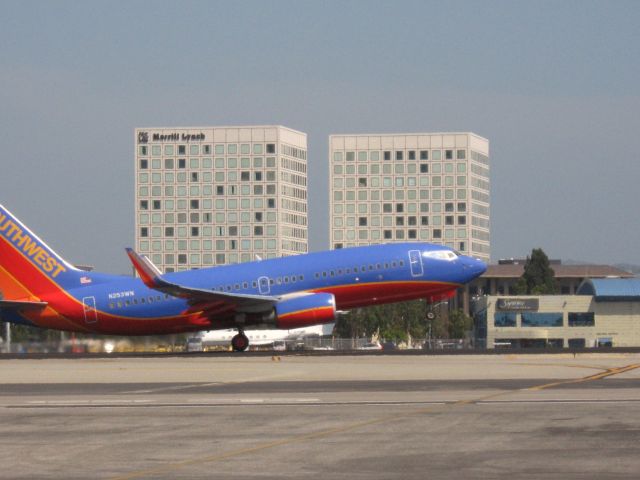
39	288
265	336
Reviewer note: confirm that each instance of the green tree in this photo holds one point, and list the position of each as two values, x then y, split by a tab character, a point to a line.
459	324
538	277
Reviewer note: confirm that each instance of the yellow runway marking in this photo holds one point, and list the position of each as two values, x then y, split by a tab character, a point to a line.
597	376
166	468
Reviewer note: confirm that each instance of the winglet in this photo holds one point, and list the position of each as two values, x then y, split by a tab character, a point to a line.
148	272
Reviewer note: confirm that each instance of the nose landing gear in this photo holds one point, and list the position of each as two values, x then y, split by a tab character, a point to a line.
240	342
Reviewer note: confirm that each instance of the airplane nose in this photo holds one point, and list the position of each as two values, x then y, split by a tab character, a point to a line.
474	267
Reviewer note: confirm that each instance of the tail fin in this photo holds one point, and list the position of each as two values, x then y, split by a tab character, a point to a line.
28	266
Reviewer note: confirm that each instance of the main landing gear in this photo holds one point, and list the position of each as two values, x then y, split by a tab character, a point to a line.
240	342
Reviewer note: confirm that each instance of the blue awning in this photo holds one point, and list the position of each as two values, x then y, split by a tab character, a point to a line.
611	289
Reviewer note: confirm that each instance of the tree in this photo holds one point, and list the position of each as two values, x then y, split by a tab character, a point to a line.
459	324
538	277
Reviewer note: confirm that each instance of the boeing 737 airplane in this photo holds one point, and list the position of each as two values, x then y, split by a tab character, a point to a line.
40	288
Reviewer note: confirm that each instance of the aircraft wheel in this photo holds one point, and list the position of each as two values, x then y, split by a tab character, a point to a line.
239	342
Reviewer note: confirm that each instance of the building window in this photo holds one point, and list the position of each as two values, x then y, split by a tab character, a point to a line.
413	234
448	154
271	148
586	319
362	221
412	154
424	154
144	164
144	232
399	155
362	182
504	319
461	154
387	235
535	319
437	233
182	163
448	220
195	231
424	168
157	204
195	204
387	155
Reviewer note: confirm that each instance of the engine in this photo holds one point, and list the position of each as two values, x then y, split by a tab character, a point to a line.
305	310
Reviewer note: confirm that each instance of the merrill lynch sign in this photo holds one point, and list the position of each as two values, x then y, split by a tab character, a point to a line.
517	304
143	137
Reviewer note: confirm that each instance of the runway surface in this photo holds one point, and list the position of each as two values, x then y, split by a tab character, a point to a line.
336	417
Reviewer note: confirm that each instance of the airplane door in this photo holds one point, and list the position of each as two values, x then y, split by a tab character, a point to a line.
415	262
263	285
89	306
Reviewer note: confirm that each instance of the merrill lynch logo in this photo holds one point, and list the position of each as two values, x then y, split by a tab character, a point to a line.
143	137
518	304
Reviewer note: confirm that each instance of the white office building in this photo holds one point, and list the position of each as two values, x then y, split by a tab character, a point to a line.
218	195
431	187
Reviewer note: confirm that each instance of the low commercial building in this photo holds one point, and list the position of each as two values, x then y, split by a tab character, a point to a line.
501	279
602	313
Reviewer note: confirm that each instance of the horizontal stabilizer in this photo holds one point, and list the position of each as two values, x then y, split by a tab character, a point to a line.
21	305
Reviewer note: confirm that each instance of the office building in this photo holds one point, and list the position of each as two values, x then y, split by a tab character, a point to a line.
431	187
604	312
217	195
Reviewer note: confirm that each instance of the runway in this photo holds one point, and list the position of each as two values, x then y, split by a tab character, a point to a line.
339	417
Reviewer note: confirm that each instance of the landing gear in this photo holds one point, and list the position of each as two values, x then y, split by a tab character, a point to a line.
240	342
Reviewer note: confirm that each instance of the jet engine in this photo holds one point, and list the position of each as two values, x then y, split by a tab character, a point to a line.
305	310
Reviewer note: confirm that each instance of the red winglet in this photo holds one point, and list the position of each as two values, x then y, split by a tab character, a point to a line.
147	273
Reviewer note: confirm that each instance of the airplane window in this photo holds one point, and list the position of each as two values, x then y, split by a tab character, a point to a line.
324	274
111	305
301	277
150	299
237	286
127	303
332	273
254	284
370	267
286	279
363	268
119	304
159	297
143	300
402	263
393	264
347	271
279	280
135	301
339	271
166	296
441	254
386	265
221	289
272	281
229	288
245	285
317	275
355	269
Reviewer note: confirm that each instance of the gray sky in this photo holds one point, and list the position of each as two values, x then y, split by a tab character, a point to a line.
554	86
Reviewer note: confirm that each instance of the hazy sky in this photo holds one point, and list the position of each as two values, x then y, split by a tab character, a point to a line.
554	86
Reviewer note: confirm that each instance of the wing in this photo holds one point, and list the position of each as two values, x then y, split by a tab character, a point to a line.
202	298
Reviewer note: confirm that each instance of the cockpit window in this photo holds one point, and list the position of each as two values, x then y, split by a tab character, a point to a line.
448	255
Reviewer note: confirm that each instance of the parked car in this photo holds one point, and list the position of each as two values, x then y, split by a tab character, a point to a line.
371	346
